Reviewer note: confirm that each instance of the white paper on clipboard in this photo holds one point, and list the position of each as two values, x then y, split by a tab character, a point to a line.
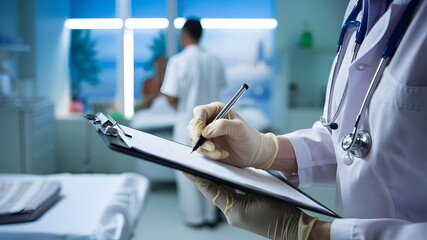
248	178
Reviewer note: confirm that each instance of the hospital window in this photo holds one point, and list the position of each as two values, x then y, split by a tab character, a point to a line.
116	39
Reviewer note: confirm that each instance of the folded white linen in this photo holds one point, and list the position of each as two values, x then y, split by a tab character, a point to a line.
92	206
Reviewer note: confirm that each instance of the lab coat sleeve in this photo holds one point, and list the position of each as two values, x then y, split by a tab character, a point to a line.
378	229
170	81
315	155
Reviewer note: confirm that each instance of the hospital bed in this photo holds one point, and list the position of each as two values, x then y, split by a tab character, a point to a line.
91	207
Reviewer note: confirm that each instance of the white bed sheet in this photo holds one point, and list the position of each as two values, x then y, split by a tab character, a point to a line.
160	115
92	206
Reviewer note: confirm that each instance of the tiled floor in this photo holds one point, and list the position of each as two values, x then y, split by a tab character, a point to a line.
161	220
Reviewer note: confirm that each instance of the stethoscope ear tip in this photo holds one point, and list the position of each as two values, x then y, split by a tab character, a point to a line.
333	126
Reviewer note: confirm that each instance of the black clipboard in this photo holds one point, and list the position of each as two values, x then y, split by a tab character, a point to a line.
108	129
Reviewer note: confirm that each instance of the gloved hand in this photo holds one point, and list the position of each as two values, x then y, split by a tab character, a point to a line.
231	139
264	216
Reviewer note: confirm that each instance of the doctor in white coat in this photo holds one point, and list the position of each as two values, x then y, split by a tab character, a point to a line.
192	77
381	195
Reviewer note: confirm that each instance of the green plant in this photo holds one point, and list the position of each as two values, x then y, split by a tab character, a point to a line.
84	66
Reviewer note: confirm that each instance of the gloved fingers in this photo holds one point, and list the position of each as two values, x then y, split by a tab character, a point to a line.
219	195
208	111
231	127
214	154
195	127
199	125
265	216
206	187
208	146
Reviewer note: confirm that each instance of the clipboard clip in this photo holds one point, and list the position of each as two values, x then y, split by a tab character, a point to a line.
105	124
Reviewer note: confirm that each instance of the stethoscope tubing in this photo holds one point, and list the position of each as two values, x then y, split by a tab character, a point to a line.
330	122
388	52
348	143
349	23
376	80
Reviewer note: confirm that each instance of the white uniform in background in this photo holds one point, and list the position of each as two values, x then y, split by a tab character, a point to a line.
194	77
384	195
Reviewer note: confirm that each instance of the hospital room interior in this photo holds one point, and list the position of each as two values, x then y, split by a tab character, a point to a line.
63	60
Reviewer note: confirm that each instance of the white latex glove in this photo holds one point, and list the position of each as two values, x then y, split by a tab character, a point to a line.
231	139
264	216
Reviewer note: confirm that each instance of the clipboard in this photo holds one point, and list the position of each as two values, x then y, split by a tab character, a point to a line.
174	155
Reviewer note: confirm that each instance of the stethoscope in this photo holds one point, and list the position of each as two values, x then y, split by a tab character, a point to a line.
358	143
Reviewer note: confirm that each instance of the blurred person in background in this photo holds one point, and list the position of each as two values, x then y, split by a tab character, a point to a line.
192	77
150	88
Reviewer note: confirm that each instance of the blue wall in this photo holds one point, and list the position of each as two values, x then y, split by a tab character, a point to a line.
92	8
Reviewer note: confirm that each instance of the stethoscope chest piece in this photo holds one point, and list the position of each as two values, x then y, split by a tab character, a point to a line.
358	146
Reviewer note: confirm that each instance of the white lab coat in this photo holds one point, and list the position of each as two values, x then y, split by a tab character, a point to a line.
384	195
195	77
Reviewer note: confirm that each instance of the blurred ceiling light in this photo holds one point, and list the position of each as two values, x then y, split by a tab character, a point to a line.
93	23
162	23
232	23
179	22
147	23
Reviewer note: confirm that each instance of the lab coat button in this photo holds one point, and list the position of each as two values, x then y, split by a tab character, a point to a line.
361	66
